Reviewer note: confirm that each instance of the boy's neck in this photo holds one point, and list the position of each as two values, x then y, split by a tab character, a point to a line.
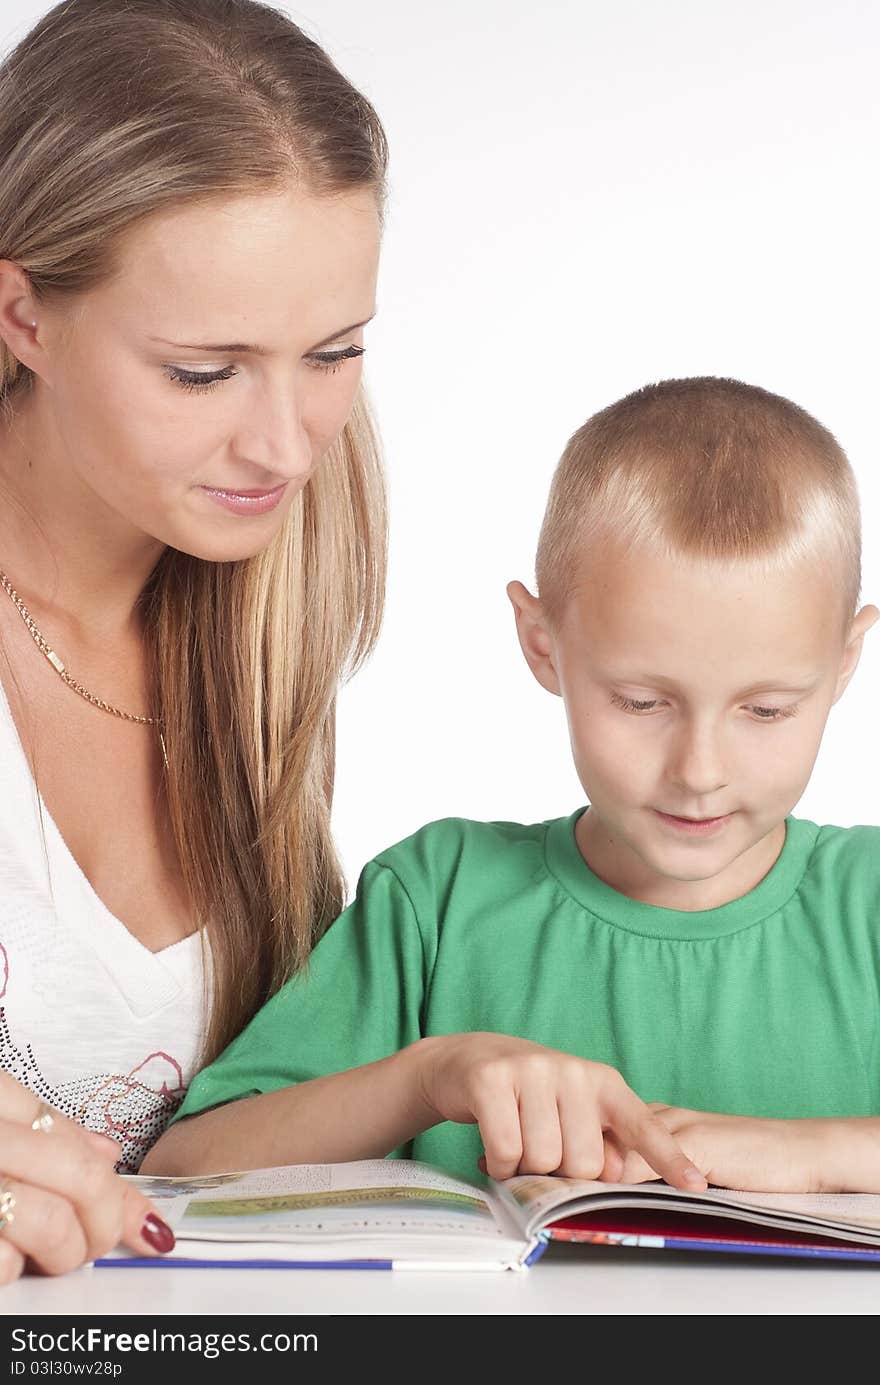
620	866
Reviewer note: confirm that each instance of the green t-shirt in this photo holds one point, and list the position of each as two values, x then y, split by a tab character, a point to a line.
767	1005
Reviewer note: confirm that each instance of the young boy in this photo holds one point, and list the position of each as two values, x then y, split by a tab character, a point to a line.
526	990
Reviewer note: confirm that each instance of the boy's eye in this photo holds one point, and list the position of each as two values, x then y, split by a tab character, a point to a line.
631	704
773	713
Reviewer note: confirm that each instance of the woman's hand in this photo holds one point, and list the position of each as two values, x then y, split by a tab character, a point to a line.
67	1204
541	1111
749	1153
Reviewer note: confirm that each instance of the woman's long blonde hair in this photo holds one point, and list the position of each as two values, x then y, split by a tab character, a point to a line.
110	113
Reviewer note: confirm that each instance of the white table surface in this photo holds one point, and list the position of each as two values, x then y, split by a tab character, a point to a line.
568	1280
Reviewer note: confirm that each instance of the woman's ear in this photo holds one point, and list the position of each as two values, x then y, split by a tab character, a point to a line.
17	313
535	638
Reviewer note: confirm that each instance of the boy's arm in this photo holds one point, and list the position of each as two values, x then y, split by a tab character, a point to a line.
538	1111
847	1153
761	1154
359	1114
357	1001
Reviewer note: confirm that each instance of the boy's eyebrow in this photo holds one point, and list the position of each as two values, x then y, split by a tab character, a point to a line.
801	685
243	347
796	683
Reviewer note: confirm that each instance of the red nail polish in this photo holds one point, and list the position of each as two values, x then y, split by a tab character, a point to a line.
158	1233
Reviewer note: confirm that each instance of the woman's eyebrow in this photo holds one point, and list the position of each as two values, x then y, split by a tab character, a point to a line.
241	347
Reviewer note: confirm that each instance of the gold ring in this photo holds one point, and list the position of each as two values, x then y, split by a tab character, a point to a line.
7	1207
44	1119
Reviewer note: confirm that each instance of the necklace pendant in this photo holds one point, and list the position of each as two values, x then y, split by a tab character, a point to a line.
164	751
54	660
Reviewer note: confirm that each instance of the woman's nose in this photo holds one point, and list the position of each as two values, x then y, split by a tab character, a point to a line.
276	439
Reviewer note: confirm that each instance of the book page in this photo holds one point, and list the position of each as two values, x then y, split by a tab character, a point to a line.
537	1195
839	1209
543	1199
301	1202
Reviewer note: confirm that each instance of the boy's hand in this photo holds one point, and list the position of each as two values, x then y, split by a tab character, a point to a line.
749	1153
541	1111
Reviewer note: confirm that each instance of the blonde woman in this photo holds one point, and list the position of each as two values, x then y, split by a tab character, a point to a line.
192	549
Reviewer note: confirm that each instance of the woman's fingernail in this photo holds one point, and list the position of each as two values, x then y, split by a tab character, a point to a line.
694	1176
158	1233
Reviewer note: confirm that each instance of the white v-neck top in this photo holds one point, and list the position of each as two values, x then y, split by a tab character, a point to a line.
91	1020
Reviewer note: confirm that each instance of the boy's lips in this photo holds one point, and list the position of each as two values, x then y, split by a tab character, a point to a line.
693	826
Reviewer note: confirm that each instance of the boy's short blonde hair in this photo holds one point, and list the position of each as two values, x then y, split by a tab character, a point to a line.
707	468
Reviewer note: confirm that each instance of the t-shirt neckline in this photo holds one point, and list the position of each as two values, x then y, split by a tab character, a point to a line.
566	863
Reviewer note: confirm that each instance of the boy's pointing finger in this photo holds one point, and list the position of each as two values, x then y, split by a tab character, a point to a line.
649	1137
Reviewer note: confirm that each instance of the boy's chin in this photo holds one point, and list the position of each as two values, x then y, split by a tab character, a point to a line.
690	857
700	858
691	871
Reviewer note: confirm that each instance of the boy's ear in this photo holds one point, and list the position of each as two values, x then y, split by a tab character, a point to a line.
534	636
853	648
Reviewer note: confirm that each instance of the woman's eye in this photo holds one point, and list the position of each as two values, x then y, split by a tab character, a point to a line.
199	379
204	380
331	360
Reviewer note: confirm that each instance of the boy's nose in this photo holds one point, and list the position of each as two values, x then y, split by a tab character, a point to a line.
696	768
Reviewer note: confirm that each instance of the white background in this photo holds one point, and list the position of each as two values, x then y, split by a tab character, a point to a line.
584	197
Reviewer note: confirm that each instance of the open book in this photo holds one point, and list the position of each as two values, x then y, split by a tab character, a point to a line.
398	1214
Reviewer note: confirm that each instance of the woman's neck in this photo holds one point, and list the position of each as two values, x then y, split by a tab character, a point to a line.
61	546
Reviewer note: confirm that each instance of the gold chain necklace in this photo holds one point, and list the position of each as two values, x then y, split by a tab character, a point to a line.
56	663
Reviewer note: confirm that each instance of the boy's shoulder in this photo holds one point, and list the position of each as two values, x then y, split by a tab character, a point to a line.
456	845
473	834
842	867
846	850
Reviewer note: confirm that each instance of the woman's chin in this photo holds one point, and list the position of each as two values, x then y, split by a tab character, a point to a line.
214	548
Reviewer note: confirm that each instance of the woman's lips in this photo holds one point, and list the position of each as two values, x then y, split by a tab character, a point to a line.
246	502
695	827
